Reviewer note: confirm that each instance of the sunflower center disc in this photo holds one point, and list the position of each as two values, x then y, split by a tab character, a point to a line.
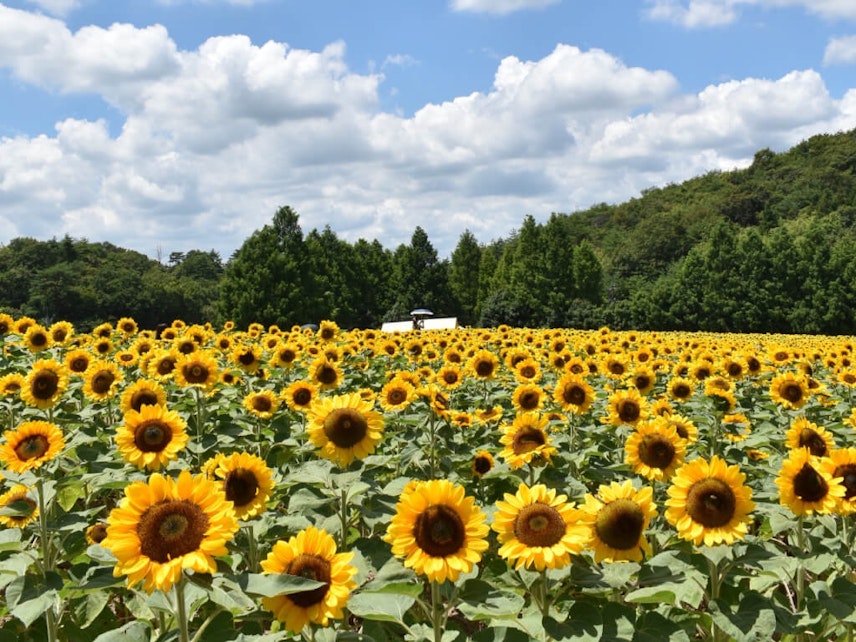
656	452
527	440
809	486
143	398
45	384
539	525
196	373
529	401
302	397
345	427
262	404
102	381
312	567
628	411
241	486
619	524
574	395
711	503
439	531
170	529
32	447
152	436
792	392
848	479
814	442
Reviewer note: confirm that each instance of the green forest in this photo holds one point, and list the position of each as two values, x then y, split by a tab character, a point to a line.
769	248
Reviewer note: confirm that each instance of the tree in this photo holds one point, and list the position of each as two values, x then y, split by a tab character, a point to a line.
419	278
464	276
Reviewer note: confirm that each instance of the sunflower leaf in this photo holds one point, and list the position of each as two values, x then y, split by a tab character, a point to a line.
29	611
382	607
132	632
276	584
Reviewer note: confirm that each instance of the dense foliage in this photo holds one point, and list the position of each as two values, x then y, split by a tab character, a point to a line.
767	248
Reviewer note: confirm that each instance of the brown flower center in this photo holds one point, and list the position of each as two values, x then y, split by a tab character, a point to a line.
847	472
539	524
302	396
101	382
809	485
396	396
97	532
45	384
170	529
261	403
39	339
711	503
681	391
529	400
482	465
312	567
195	372
241	486
345	427
791	392
246	358
152	436
619	524
32	447
439	531
484	368
628	411
326	375
656	451
143	398
527	439
574	394
165	366
813	441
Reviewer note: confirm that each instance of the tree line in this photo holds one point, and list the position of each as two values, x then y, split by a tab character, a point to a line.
769	248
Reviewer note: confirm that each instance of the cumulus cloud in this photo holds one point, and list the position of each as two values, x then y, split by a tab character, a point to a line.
714	13
840	51
498	7
57	7
213	140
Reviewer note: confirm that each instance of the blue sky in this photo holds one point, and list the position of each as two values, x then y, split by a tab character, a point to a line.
169	125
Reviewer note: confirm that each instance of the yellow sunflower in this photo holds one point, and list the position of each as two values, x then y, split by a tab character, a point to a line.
246	479
643	379
345	427
527	371
573	393
488	415
143	392
845	468
11	384
151	437
96	533
681	388
807	484
327	374
438	530
396	394
160	364
164	526
654	449
45	384
625	407
101	380
527	397
617	519
262	404
538	528
525	440
284	355
709	503
7	324
37	338
247	356
484	364
299	395
450	376
197	369
19	509
482	463
30	445
807	434
310	554
789	390
77	361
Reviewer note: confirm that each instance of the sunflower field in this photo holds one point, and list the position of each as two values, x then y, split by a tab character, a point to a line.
217	484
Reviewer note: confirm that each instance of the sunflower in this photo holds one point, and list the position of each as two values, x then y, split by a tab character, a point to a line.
262	404
299	395
96	533
151	437
528	397
310	554
681	388
37	338
22	323
654	449
709	503
488	415
161	364
643	379
573	393
617	519
807	434
482	463
30	445
164	526
126	357
438	530
450	376
538	528
11	384
197	369
18	508
143	392
284	355
685	427
345	427
247	356
327	374
77	361
484	364
7	324
789	390
45	384
807	484
526	440
396	394
615	366
101	380
246	479
845	468
626	407
527	371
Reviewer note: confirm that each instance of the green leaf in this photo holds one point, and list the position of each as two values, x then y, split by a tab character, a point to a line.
29	611
276	584
653	627
67	496
132	632
483	601
409	589
753	619
384	608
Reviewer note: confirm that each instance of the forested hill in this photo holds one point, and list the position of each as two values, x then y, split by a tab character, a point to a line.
769	248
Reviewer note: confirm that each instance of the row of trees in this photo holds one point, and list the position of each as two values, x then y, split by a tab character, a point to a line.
769	248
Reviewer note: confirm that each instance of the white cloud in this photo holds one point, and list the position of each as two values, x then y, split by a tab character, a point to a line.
57	7
840	51
215	139
499	7
714	13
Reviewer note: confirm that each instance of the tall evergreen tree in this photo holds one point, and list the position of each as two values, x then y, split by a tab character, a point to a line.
464	278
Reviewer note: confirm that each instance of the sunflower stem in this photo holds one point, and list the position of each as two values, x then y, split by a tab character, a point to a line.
181	611
432	448
544	594
343	515
437	611
47	557
715	583
252	549
200	413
